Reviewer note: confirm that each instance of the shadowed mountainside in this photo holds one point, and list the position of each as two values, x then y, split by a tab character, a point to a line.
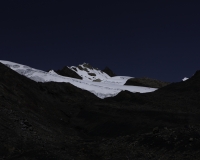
109	72
146	82
68	73
60	121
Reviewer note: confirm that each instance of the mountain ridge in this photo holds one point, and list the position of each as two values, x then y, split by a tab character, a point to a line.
54	120
106	87
145	82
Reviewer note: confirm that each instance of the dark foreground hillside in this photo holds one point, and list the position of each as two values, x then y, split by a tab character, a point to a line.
60	121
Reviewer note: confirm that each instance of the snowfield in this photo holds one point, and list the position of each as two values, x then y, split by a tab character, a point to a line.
107	87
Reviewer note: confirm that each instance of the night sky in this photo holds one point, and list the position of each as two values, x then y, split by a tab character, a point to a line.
156	39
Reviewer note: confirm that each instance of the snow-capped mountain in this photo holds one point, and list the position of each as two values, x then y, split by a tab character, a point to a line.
94	80
87	72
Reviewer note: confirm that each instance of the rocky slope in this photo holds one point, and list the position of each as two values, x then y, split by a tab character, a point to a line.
146	82
59	121
109	72
67	72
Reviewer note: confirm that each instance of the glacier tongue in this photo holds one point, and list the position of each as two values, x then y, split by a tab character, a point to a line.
108	87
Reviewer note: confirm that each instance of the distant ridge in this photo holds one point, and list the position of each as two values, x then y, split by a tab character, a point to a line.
146	82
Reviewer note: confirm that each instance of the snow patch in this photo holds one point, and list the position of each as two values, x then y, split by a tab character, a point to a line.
185	79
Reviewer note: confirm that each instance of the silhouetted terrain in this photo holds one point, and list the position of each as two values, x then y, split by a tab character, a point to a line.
60	121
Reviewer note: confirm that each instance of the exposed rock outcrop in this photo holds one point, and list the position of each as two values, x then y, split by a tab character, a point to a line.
109	72
67	72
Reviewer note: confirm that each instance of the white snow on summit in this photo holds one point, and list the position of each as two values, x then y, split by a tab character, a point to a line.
184	79
101	84
89	73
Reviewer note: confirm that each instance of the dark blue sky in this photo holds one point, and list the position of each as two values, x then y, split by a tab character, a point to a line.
156	39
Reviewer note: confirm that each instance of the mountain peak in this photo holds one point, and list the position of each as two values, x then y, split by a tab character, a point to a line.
87	72
87	65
